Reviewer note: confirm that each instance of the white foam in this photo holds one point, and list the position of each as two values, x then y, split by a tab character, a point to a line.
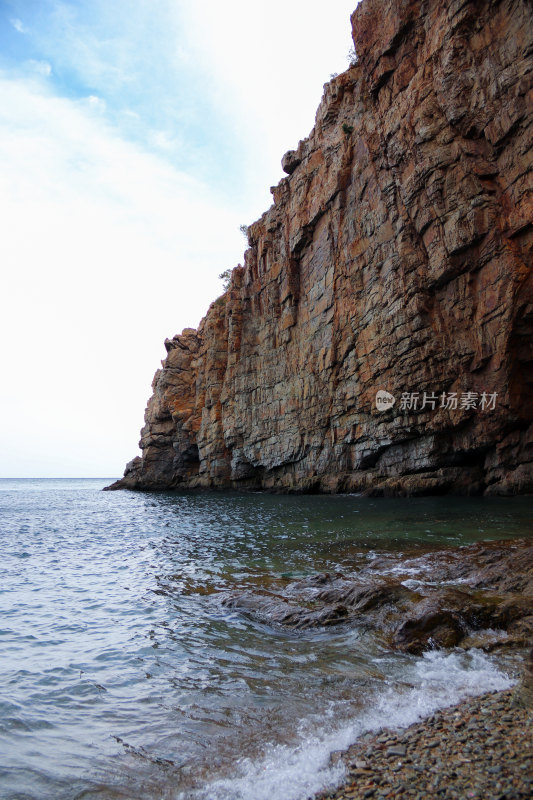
436	680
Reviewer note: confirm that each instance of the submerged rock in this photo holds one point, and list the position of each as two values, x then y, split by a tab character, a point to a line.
276	611
479	611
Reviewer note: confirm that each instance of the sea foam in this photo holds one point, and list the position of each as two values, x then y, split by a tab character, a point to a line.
436	680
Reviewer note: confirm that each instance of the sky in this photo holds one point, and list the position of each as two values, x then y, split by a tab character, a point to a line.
136	137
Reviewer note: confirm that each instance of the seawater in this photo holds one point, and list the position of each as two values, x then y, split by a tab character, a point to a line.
123	676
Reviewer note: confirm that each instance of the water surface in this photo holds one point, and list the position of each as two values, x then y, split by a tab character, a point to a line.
122	676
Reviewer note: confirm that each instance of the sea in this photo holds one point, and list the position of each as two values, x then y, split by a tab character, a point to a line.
124	677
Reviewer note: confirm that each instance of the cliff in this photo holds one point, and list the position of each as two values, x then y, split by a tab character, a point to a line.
397	256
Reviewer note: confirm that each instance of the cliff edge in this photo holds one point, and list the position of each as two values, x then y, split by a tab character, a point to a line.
396	258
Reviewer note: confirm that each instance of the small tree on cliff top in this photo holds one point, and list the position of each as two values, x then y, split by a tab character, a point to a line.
225	277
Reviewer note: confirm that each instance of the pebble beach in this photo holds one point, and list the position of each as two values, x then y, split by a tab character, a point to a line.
481	749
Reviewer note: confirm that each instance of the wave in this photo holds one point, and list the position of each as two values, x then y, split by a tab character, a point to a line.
435	680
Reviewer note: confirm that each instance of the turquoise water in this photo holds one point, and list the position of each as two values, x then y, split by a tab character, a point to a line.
123	676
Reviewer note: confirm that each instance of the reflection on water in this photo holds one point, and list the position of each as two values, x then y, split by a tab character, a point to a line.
123	676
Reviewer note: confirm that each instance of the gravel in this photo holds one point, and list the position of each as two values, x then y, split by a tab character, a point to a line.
481	749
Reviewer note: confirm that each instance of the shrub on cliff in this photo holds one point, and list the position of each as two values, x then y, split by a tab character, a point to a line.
225	277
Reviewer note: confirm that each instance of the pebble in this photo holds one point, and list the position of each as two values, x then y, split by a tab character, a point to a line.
399	750
497	763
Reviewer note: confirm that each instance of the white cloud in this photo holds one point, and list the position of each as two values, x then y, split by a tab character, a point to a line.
42	68
96	103
18	25
163	141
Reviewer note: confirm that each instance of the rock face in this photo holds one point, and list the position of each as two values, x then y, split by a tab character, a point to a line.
397	256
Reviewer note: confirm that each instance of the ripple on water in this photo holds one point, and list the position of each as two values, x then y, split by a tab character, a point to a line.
121	676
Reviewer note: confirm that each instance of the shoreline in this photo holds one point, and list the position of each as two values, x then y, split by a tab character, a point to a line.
479	749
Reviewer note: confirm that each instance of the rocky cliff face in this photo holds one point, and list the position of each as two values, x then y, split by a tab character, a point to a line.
397	256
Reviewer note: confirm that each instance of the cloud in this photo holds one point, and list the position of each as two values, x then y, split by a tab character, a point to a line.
40	67
238	82
48	141
134	56
96	103
162	140
18	25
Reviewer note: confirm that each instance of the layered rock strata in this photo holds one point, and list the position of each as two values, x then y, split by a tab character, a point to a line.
397	256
